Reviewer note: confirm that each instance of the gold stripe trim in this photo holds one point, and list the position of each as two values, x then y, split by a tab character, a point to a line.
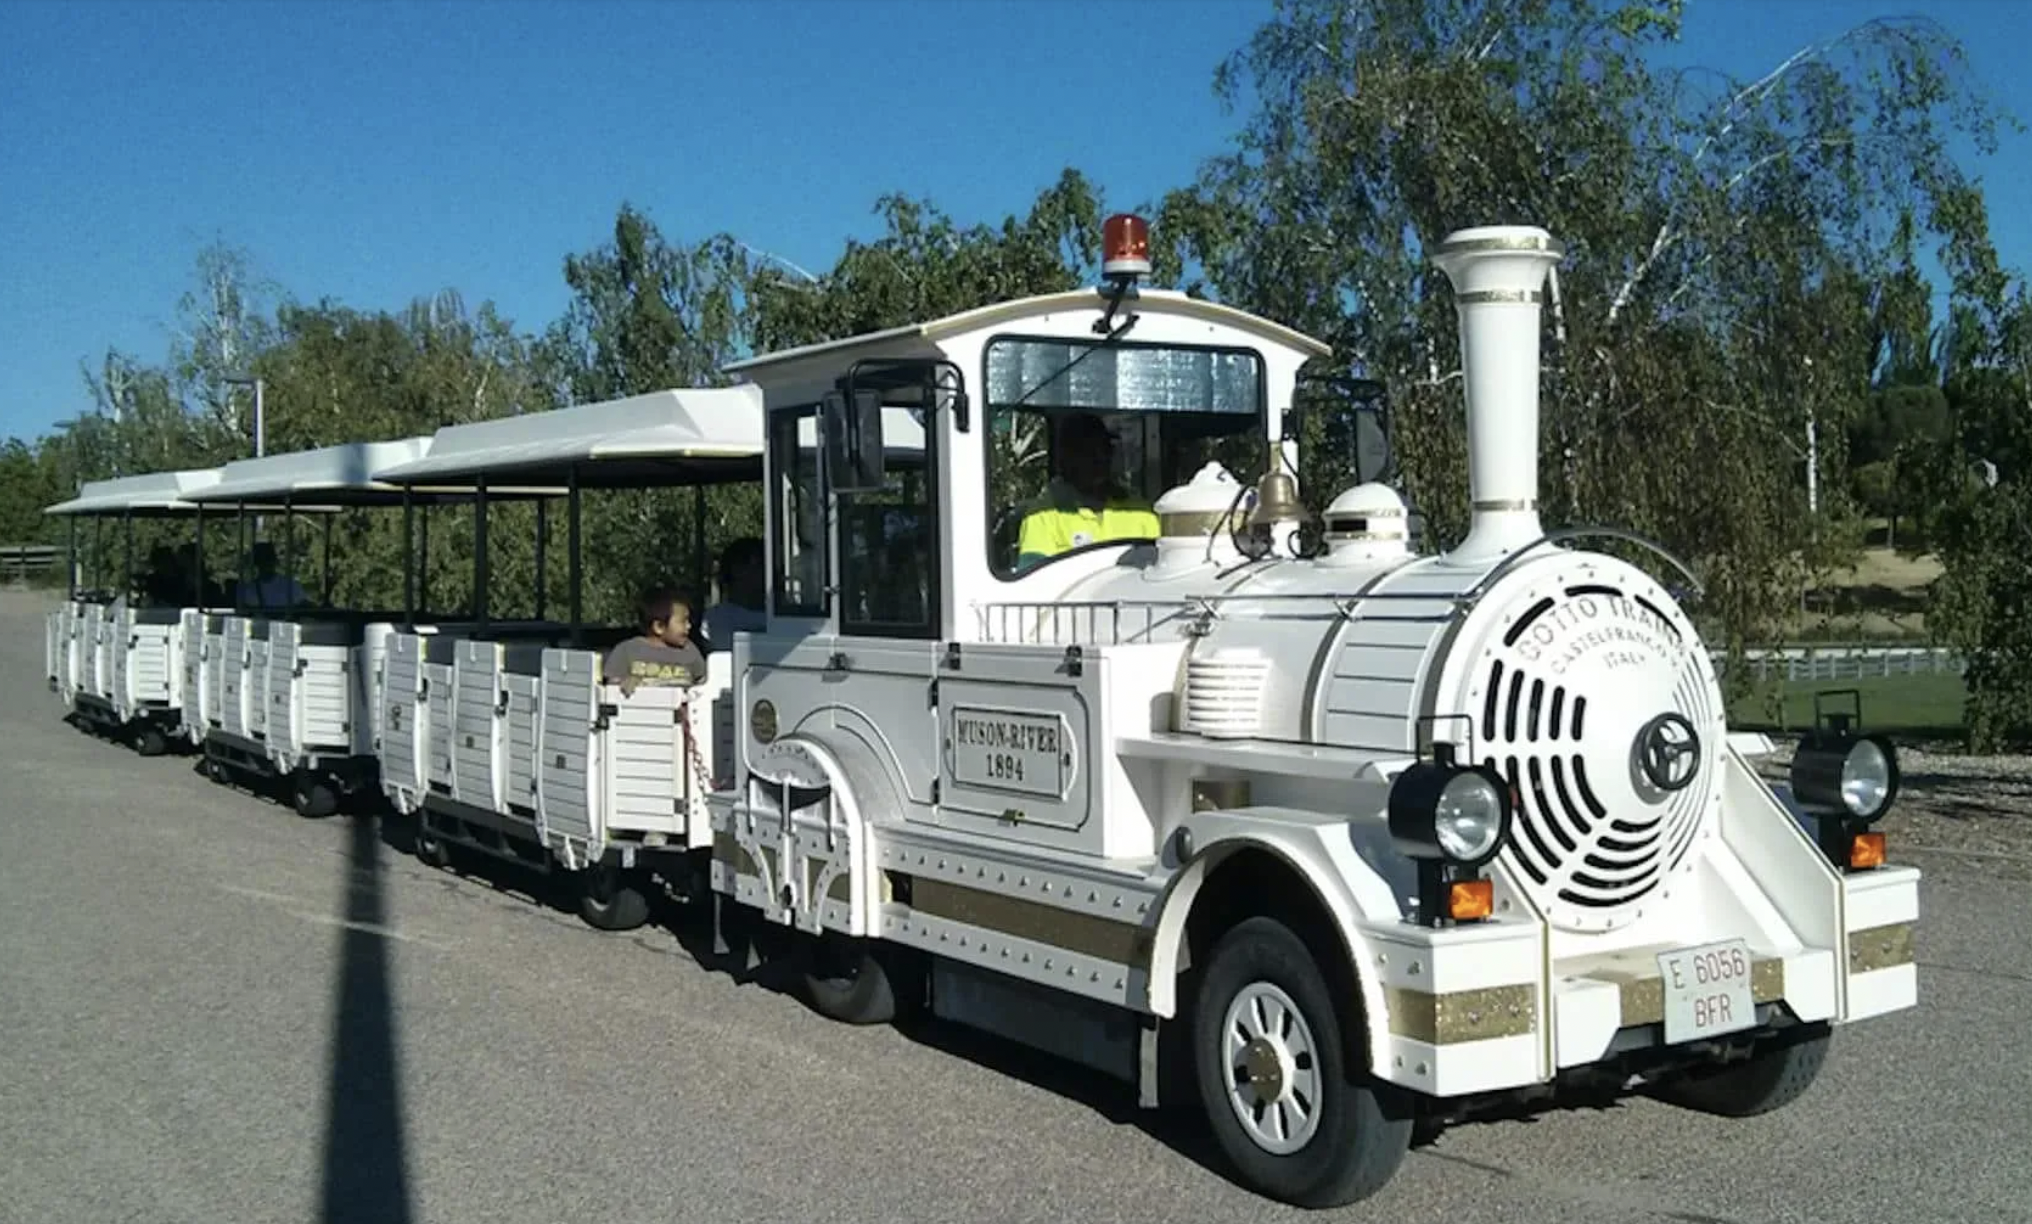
1643	998
1883	947
1462	1015
1505	503
1531	296
1118	943
1197	522
729	851
1529	242
1216	794
1339	536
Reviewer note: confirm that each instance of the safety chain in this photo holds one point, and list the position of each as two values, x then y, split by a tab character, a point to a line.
697	761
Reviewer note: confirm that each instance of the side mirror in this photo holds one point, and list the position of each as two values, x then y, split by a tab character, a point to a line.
853	442
1375	459
1353	421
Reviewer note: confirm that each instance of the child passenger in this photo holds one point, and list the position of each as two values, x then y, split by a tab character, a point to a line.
663	654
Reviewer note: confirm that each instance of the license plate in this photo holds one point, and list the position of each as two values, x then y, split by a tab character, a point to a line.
1707	991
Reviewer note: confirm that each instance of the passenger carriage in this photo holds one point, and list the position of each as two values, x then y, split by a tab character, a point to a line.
115	656
287	692
506	739
1368	835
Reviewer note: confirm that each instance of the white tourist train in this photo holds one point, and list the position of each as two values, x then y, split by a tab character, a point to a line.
1258	809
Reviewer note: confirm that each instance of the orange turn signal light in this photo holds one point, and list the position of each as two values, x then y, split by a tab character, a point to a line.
1467	900
1866	850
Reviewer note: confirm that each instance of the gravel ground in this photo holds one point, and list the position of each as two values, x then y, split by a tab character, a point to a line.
215	1012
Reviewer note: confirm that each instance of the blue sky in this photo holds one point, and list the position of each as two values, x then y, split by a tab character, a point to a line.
378	151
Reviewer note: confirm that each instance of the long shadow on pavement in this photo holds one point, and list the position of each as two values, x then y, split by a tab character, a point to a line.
366	1171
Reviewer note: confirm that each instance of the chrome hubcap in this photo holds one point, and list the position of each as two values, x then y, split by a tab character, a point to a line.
1270	1064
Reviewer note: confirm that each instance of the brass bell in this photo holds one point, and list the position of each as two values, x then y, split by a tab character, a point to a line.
1276	500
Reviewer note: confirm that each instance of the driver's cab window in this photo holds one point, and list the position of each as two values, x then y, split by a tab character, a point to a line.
1085	436
889	538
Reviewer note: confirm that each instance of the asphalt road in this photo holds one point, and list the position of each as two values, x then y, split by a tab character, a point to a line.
214	1011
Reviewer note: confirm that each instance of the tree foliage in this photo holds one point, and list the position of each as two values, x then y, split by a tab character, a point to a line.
1742	274
1727	248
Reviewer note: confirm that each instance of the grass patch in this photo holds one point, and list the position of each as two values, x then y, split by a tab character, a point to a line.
1882	598
1927	706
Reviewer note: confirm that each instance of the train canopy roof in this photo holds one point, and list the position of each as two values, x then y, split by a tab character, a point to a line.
330	476
154	494
681	436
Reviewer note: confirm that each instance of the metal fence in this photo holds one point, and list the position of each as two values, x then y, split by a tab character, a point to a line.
18	561
1848	661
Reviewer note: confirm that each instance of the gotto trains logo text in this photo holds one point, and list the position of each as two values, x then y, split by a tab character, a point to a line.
1614	631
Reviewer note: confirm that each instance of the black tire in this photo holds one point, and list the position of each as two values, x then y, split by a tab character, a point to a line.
314	797
150	741
1770	1079
430	849
1352	1139
609	902
845	980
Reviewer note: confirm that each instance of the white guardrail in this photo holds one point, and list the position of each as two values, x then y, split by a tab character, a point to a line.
1839	661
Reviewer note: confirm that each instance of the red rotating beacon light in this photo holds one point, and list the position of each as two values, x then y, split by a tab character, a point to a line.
1125	247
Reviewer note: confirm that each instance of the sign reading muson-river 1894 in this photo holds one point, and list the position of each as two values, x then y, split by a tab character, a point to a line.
1008	750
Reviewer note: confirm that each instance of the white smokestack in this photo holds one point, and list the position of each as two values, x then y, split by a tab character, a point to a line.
1498	275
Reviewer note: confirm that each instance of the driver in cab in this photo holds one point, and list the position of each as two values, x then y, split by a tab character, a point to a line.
1082	505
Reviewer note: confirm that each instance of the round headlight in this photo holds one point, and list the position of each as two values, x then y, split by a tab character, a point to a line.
1468	818
1866	778
1440	810
1845	776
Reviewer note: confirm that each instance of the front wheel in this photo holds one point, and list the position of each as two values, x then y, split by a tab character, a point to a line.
1296	1121
846	980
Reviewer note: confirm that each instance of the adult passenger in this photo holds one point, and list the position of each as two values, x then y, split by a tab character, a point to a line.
1082	505
741	605
270	588
167	583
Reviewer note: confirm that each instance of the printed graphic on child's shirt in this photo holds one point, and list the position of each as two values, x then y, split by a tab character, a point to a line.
649	671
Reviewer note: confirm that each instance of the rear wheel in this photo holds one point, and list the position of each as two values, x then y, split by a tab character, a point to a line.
1297	1122
430	849
1771	1078
150	741
314	796
610	902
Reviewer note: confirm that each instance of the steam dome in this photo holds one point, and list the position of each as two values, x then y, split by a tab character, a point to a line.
1366	523
1195	519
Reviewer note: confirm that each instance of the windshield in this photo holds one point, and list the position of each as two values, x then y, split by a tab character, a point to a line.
1084	436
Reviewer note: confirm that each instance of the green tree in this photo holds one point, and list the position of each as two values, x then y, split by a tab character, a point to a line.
1983	483
1716	299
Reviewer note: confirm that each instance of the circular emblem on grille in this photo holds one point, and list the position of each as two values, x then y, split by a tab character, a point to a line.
1668	751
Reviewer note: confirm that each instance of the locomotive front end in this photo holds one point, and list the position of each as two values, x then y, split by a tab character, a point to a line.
1550	860
1691	922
